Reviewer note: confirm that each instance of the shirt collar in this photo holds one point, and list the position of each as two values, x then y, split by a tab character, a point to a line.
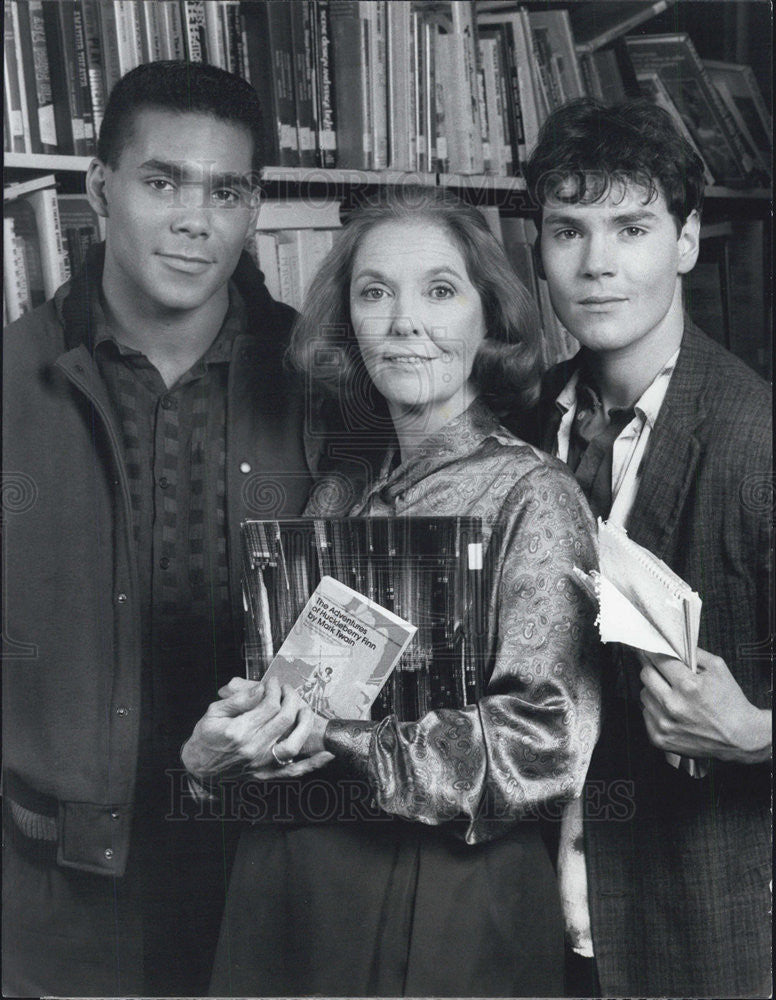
647	406
456	439
220	351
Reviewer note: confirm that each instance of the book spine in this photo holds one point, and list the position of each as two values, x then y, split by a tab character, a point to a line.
267	253
176	36
82	71
379	85
109	33
724	114
14	81
326	140
491	90
282	61
418	158
46	119
76	81
301	45
255	21
639	16
52	250
757	99
195	35
465	25
353	138
233	37
126	37
288	268
429	85
214	35
591	81
68	124
26	80
485	122
15	286
154	28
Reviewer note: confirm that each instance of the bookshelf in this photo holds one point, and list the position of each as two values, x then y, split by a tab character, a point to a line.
468	159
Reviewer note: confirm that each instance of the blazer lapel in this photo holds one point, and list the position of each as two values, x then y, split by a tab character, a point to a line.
674	448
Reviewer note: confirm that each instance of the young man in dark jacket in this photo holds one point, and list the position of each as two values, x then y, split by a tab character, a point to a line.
146	413
669	435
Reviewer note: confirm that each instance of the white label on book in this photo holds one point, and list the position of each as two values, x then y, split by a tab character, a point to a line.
475	555
48	130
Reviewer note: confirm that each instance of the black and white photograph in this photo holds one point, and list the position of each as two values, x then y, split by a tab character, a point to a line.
387	499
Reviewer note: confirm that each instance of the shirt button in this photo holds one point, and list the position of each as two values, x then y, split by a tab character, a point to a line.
108	853
164	562
121	598
122	712
164	482
245	467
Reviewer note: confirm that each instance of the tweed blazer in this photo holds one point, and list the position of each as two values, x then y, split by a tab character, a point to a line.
678	868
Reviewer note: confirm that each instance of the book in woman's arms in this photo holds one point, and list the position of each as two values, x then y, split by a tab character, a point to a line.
341	651
642	602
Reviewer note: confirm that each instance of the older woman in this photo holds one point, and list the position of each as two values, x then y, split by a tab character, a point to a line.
444	886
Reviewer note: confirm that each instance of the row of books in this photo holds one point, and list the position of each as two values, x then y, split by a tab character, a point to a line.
371	84
45	238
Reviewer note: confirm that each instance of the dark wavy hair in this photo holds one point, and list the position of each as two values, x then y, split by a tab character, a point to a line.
182	87
586	149
506	367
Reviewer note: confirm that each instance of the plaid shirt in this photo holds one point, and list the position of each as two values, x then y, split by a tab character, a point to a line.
174	450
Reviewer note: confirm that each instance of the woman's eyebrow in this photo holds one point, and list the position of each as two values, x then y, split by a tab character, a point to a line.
432	272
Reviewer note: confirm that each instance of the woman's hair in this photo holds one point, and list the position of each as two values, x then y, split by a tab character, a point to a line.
586	149
507	365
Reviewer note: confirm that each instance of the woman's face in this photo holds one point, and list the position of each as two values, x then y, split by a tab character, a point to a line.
417	318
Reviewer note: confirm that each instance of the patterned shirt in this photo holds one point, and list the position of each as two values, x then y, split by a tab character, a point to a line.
528	741
174	452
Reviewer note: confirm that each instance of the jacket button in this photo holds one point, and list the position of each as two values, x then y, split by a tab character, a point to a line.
167	402
108	853
114	814
79	369
121	711
121	598
164	482
245	467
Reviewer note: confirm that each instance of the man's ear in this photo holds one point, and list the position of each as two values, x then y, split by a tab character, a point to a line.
689	242
95	187
536	248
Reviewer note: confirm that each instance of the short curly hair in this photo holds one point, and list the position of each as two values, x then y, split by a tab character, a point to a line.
507	365
179	86
586	148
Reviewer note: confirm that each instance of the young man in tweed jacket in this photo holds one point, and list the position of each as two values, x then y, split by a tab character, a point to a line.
677	867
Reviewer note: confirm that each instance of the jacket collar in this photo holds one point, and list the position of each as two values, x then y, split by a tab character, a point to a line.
675	446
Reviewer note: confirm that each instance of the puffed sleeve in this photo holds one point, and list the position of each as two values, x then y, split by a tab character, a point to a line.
528	741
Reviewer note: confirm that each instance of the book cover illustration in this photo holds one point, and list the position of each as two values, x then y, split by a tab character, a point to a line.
341	651
429	571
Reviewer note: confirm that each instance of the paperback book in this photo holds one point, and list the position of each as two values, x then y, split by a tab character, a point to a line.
341	651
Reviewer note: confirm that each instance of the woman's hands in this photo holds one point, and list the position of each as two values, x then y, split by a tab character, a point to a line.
238	733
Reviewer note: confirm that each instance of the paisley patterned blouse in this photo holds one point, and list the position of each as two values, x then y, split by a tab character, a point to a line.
527	743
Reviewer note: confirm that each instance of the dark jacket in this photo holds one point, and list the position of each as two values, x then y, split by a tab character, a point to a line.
71	624
678	868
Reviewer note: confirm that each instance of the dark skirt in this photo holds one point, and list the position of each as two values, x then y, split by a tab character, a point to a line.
389	908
